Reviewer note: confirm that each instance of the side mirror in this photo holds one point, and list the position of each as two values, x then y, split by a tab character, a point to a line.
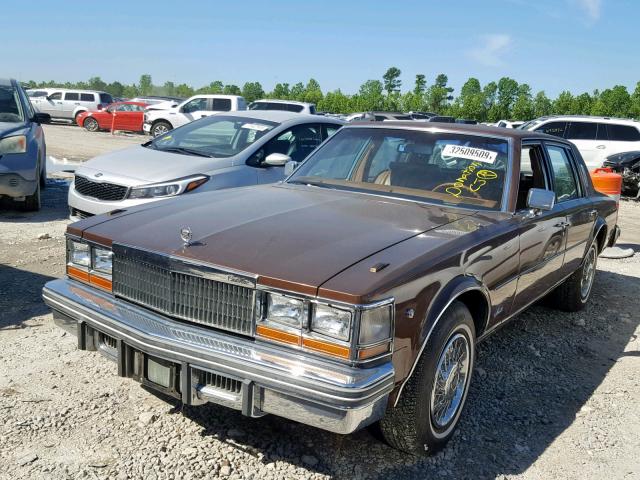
277	159
539	199
290	167
41	118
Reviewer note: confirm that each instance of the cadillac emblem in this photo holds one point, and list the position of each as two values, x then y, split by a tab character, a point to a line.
186	235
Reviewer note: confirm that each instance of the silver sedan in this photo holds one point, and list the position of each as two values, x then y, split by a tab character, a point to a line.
221	151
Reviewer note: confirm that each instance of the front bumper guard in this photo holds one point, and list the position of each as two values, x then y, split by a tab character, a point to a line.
267	379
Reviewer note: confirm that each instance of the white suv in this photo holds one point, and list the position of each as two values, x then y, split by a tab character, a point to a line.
67	104
158	122
596	137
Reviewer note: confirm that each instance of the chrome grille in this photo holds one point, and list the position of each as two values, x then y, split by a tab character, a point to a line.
99	190
189	297
210	379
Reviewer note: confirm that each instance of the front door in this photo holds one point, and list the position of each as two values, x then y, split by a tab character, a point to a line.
542	235
571	200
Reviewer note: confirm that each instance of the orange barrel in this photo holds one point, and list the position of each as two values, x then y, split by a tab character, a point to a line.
607	182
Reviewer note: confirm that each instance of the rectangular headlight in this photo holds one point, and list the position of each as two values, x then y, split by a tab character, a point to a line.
375	325
79	254
330	321
285	310
102	260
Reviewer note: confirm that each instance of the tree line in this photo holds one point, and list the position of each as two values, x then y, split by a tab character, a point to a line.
504	99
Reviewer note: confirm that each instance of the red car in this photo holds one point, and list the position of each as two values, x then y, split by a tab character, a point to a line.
119	116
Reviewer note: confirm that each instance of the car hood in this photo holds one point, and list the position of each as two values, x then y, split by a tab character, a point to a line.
298	235
624	159
139	165
9	128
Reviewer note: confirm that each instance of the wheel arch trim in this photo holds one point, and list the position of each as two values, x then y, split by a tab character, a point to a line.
449	294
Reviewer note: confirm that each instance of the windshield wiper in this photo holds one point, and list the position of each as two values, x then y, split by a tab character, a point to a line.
188	151
307	181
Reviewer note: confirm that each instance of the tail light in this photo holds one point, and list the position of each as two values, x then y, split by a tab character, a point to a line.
100	106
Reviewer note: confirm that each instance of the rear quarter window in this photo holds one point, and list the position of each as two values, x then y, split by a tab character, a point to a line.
623	133
106	98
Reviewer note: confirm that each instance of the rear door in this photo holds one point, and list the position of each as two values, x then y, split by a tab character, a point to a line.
126	117
542	235
70	101
622	138
218	105
584	136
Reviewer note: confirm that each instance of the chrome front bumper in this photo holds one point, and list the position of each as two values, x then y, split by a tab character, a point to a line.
269	379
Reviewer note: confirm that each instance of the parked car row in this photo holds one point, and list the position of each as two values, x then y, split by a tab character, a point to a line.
65	104
354	292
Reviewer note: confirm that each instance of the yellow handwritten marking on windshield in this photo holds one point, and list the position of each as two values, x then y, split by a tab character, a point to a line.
458	185
480	180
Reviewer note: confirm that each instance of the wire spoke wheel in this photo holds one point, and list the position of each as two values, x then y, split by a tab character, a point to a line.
588	273
450	381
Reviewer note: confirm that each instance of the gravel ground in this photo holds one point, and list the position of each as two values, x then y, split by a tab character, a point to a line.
555	395
75	144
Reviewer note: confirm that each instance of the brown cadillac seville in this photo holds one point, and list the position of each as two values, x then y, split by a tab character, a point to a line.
353	292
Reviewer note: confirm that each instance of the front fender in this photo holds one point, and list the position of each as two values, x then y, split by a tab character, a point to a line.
447	295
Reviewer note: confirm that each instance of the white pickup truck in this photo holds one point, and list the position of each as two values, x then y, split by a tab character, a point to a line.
157	122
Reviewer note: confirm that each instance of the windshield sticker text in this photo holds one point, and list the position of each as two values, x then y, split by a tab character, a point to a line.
469	153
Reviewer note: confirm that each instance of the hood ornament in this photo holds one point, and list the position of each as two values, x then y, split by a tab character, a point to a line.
186	235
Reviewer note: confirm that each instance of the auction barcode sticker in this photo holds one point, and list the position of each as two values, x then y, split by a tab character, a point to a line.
470	153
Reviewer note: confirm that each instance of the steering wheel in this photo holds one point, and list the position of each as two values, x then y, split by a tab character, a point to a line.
444	186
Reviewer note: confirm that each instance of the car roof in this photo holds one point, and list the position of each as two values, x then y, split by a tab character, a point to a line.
79	90
281	116
587	118
213	95
7	82
477	129
286	102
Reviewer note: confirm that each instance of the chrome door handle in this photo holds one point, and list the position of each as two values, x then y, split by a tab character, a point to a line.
593	213
601	147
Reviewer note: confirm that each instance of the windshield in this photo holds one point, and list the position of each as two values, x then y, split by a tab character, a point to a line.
215	136
444	168
10	106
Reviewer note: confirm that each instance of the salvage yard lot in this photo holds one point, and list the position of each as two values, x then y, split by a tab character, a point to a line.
555	395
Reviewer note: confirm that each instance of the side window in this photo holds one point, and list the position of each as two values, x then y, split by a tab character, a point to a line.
105	98
297	142
312	109
556	129
123	108
221	105
563	178
623	133
87	97
602	132
195	105
295	108
582	131
73	96
531	173
55	96
329	129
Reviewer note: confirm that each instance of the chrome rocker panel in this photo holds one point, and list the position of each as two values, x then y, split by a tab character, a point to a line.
309	390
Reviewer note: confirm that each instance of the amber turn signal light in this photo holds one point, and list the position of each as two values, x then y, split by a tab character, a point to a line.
92	279
326	347
277	335
369	352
